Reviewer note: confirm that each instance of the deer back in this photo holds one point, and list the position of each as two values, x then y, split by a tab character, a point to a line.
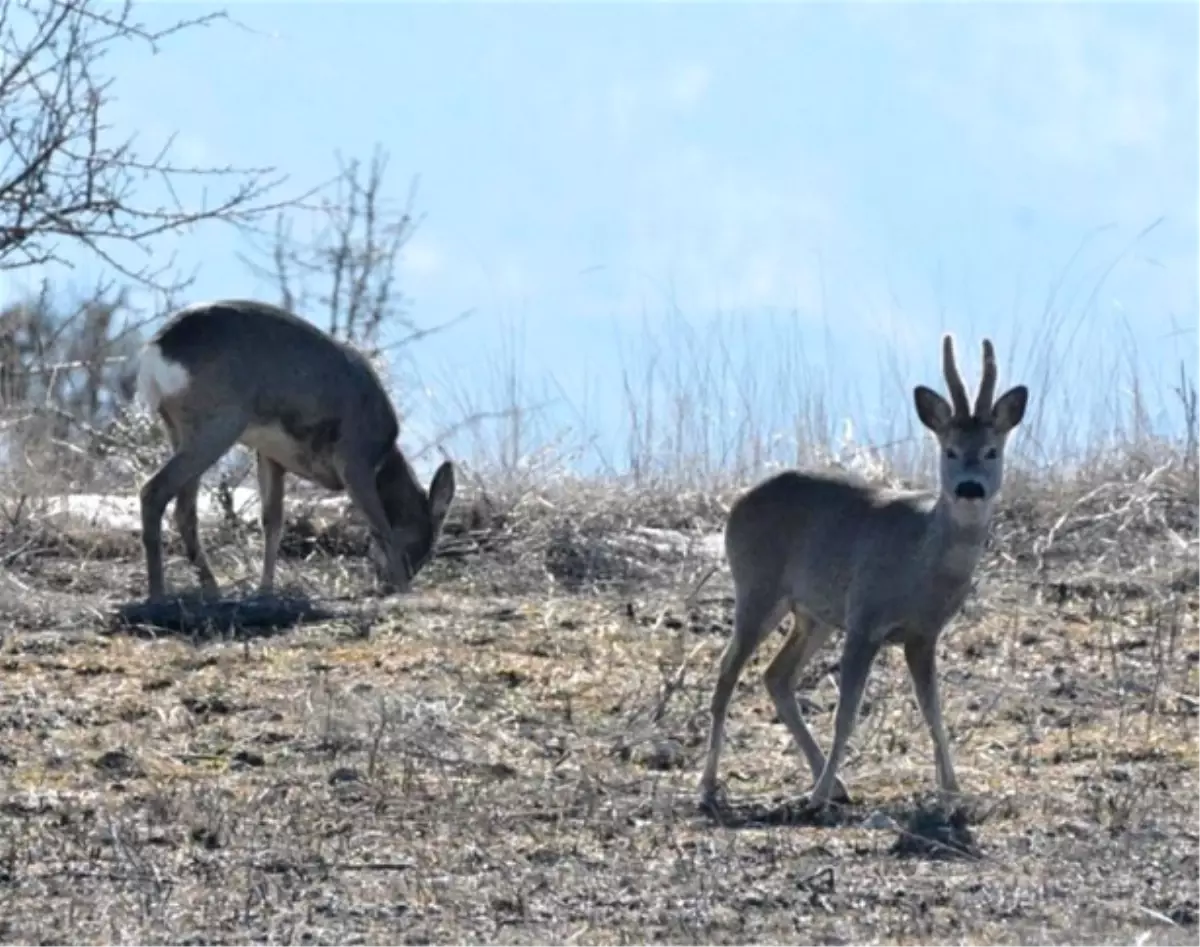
302	393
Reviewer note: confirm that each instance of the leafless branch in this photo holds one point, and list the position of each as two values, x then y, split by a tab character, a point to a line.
68	179
340	267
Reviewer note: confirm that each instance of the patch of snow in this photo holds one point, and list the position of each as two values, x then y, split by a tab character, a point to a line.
116	511
714	545
673	542
123	512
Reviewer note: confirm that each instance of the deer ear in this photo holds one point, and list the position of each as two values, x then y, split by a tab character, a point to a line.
933	410
1010	409
441	492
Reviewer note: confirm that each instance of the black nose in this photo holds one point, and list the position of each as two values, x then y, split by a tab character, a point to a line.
969	490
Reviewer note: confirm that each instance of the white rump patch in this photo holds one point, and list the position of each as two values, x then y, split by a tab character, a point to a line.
158	377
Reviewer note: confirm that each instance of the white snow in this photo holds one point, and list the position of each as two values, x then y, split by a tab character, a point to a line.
123	512
116	511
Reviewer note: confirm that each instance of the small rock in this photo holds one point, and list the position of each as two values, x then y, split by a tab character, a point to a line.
344	774
1076	829
934	833
247	758
660	755
206	837
119	763
879	820
204	706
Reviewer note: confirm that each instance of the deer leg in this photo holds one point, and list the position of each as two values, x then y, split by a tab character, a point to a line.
806	638
858	654
359	480
920	653
755	614
270	501
192	457
186	521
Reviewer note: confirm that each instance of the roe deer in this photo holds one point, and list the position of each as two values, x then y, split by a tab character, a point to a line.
232	371
888	567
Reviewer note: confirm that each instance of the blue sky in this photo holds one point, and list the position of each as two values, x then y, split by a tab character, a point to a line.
870	174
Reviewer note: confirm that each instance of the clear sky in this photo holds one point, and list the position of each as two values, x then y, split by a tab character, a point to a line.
871	173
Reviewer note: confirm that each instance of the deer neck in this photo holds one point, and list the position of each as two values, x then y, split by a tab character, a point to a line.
957	535
398	487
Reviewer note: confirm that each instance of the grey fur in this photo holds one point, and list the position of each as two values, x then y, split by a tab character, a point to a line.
888	567
308	405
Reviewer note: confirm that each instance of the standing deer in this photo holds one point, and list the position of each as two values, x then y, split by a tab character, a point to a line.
238	371
888	567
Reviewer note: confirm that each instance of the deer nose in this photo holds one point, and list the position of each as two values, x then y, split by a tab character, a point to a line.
970	490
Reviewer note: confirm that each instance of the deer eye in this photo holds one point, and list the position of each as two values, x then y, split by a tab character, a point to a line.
990	453
951	453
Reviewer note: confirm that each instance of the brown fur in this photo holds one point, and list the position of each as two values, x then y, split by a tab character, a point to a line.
307	404
887	567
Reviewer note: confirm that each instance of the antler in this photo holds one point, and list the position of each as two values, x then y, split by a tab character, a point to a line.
987	385
958	392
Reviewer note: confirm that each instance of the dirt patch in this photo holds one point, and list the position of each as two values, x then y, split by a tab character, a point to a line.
508	755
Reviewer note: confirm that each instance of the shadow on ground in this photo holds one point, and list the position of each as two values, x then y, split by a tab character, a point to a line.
923	829
198	618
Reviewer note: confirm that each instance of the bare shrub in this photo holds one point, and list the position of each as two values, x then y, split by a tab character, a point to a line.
67	181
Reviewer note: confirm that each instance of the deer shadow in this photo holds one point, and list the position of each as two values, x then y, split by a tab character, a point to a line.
197	618
923	828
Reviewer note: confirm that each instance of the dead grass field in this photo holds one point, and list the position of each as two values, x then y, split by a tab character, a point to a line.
510	754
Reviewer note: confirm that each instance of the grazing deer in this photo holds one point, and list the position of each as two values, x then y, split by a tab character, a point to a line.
238	371
888	567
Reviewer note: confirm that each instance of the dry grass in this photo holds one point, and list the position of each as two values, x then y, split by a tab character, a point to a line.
510	754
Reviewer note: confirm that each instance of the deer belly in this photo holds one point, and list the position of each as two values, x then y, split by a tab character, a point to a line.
292	455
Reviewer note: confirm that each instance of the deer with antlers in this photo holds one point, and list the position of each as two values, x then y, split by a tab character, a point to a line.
888	567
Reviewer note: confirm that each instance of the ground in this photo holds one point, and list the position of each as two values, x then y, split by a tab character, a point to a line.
510	754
